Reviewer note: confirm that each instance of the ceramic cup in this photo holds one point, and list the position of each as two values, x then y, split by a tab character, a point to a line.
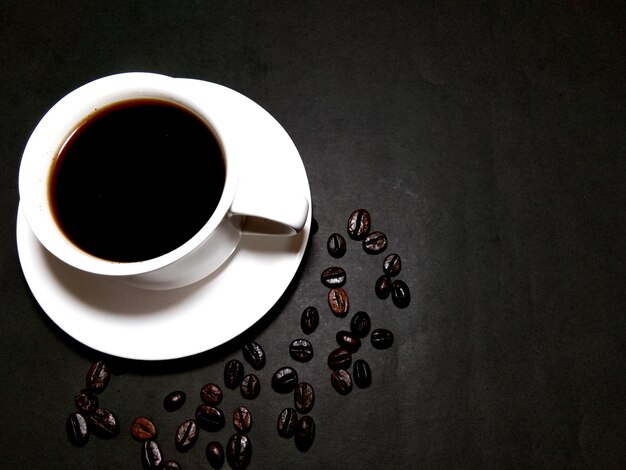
277	211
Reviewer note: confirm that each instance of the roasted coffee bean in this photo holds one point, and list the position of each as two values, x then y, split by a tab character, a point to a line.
362	373
400	294
333	277
86	401
143	429
285	380
381	338
250	387
287	423
383	287
359	224
341	381
239	451
98	377
336	245
171	465
301	350
255	356
233	373
77	429
305	433
210	418
309	320
242	419
103	423
211	394
175	400
349	341
303	397
314	226
151	456
186	435
360	324
215	454
338	301
340	358
375	243
392	265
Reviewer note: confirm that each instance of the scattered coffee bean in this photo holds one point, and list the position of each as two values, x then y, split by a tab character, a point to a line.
341	381
333	277
392	265
287	423
349	341
360	324
303	397
239	451
250	387
171	465
400	294
186	435
174	400
233	373
98	377
359	224
362	373
255	356
215	454
210	418
309	320
86	401
242	419
211	394
383	287
338	301
340	358
285	380
77	429
381	338
336	245
151	456
375	243
103	423
301	350
314	226
305	433
143	429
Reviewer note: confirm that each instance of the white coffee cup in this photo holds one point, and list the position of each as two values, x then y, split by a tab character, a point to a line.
283	210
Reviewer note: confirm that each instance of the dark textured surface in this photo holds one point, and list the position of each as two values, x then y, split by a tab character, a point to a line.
487	142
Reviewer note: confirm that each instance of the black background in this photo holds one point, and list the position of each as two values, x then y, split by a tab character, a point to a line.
486	139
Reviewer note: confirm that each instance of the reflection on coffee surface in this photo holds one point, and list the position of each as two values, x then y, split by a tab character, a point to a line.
137	180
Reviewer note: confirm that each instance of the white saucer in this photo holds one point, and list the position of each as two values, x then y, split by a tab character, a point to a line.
154	325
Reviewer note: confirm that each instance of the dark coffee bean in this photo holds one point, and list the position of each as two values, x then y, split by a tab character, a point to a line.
349	341
400	294
305	433
255	356
360	324
336	245
86	401
340	358
215	454
333	277
338	301
210	418
285	380
341	381
309	320
392	265
211	394
171	465
383	287
359	224
98	377
381	338
304	397
375	243
242	419
143	429
103	423
239	451
287	423
186	435
77	429
233	373
301	350
174	400
362	374
151	456
250	387
314	226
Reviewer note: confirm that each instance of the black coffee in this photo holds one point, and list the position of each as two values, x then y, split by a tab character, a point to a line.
137	180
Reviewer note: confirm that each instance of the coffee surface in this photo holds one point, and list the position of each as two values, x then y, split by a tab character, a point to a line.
137	180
